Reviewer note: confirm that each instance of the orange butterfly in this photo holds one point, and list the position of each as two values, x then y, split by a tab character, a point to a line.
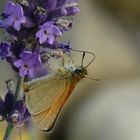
46	96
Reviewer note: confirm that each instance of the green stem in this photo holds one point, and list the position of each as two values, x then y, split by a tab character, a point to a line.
8	132
17	92
18	88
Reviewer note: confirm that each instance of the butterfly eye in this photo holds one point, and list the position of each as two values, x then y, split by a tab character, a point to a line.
78	71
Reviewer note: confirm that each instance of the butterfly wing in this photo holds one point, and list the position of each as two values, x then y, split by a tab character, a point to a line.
41	93
46	119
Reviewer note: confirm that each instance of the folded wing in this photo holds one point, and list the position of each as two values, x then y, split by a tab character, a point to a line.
46	119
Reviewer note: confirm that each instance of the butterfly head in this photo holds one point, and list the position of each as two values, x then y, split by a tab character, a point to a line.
80	72
77	72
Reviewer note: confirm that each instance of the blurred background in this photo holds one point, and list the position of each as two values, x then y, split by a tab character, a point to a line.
108	109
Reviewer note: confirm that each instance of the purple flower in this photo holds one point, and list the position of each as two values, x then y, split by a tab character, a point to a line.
66	47
30	8
48	33
72	9
28	63
15	15
64	25
17	47
4	50
55	9
59	8
19	114
13	111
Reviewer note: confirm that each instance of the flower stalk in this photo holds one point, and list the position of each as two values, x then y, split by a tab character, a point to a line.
10	127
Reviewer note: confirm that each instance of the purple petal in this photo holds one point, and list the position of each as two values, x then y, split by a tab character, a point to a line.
42	39
19	11
9	7
57	31
72	1
59	12
47	24
50	4
20	106
31	73
48	32
72	10
19	63
39	33
26	114
26	55
17	25
9	21
23	71
61	2
16	15
35	61
50	28
41	71
38	72
28	62
51	39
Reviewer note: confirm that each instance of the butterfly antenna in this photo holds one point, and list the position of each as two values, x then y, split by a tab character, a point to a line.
91	60
88	53
83	56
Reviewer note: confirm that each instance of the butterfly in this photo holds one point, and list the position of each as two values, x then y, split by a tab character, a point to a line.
46	96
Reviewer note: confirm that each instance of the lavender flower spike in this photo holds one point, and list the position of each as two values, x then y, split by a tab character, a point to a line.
48	32
28	63
13	111
15	15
